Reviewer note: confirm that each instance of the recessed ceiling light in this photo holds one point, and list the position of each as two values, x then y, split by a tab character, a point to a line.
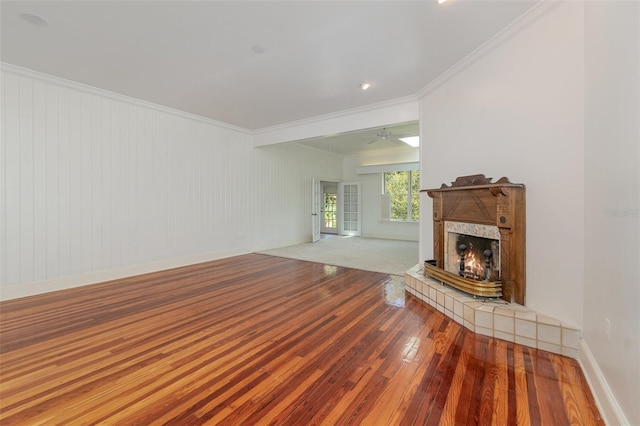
365	86
413	141
258	49
441	1
36	20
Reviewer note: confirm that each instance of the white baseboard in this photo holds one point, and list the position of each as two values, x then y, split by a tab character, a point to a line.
609	408
390	237
31	289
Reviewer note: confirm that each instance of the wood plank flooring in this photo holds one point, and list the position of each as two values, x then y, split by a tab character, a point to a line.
261	340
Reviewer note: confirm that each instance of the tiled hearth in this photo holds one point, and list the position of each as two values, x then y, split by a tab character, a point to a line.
495	318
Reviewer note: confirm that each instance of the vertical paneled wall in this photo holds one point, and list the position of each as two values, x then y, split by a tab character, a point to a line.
96	182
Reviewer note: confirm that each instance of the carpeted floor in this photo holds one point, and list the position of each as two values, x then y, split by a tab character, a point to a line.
370	254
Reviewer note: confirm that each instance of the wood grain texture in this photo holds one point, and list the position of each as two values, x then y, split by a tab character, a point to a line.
260	340
474	199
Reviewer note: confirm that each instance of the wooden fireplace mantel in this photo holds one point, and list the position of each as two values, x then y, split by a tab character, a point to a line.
475	199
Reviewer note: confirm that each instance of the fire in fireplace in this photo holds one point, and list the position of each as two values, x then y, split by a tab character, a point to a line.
476	258
472	251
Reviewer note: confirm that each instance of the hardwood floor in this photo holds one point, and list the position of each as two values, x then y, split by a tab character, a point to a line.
256	339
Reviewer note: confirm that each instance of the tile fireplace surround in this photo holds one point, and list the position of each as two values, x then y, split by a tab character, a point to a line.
495	317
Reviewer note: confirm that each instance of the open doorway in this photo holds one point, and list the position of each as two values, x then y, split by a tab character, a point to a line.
336	209
329	208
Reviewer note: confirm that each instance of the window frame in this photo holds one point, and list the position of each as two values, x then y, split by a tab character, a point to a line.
386	203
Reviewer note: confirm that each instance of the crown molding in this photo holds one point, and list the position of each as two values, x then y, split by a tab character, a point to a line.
338	114
530	16
25	72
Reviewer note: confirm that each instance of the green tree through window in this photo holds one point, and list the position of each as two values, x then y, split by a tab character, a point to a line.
330	211
403	190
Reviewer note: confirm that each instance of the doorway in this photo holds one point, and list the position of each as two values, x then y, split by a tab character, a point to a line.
329	208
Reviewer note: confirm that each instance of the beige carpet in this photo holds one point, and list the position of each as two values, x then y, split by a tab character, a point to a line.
370	254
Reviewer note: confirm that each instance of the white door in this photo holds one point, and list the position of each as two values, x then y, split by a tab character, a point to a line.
316	195
350	205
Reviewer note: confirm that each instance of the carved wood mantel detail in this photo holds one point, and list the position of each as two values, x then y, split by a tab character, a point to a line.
475	199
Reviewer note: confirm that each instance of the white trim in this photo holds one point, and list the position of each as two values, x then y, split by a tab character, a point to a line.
385	207
379	152
506	33
395	237
401	110
34	288
316	210
14	69
342	210
392	167
310	148
606	401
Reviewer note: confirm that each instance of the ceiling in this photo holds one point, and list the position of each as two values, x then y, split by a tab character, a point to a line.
252	64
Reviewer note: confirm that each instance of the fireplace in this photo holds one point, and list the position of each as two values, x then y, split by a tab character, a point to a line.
479	237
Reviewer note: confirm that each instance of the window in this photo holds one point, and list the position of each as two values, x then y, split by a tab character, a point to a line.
401	195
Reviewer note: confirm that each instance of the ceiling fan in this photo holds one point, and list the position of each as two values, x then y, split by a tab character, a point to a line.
386	135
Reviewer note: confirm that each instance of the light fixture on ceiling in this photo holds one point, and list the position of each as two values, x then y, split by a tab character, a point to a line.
441	1
365	85
413	141
36	20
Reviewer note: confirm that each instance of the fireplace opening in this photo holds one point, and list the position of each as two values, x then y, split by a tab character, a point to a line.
473	257
472	250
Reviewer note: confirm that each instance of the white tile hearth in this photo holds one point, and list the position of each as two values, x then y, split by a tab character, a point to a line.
495	318
527	329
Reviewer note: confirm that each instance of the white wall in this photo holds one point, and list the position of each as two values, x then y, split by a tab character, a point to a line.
371	187
96	186
554	102
517	111
612	197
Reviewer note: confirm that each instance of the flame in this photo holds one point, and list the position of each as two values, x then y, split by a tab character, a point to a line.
473	266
